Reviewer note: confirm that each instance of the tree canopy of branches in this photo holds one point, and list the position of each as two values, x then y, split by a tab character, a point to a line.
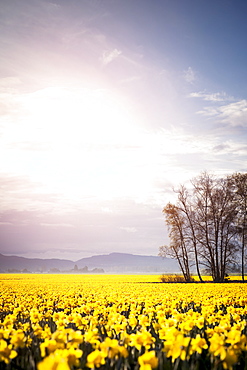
208	226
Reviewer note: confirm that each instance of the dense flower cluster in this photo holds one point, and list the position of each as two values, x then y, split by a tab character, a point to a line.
64	322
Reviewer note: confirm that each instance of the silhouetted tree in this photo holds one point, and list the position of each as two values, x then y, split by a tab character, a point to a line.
178	249
216	211
185	202
240	184
202	226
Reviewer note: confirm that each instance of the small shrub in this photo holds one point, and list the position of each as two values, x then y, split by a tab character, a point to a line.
174	278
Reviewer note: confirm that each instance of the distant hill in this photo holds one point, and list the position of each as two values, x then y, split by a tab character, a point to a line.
33	264
109	263
130	263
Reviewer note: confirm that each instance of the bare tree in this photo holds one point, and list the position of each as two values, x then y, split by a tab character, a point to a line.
216	214
240	184
185	204
178	249
202	226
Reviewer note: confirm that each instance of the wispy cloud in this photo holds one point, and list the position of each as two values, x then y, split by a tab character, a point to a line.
231	147
51	235
130	79
56	225
220	148
129	229
190	75
212	97
9	84
233	114
109	56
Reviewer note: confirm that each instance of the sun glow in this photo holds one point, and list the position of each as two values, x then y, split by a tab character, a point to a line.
77	116
77	142
87	144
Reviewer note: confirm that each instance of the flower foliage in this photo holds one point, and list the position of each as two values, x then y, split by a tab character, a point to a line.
64	322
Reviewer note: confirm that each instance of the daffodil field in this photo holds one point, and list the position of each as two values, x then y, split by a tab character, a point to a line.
120	322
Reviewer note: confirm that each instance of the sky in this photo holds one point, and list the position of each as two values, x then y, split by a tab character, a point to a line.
106	106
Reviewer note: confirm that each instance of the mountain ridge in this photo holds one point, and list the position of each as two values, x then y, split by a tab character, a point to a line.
115	262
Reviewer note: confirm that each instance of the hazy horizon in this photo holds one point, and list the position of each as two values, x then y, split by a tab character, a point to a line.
105	107
94	255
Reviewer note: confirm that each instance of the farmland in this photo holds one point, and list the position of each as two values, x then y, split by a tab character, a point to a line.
120	322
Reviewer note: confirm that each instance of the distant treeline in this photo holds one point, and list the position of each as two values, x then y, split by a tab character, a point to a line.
55	270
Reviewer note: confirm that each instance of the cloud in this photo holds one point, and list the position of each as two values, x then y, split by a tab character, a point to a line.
20	193
83	233
130	79
129	229
56	225
109	56
231	147
9	89
8	83
189	75
212	97
106	210
233	114
221	148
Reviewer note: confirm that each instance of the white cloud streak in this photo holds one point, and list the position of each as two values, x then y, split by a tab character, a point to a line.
233	114
212	97
190	75
109	56
129	229
231	147
56	225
